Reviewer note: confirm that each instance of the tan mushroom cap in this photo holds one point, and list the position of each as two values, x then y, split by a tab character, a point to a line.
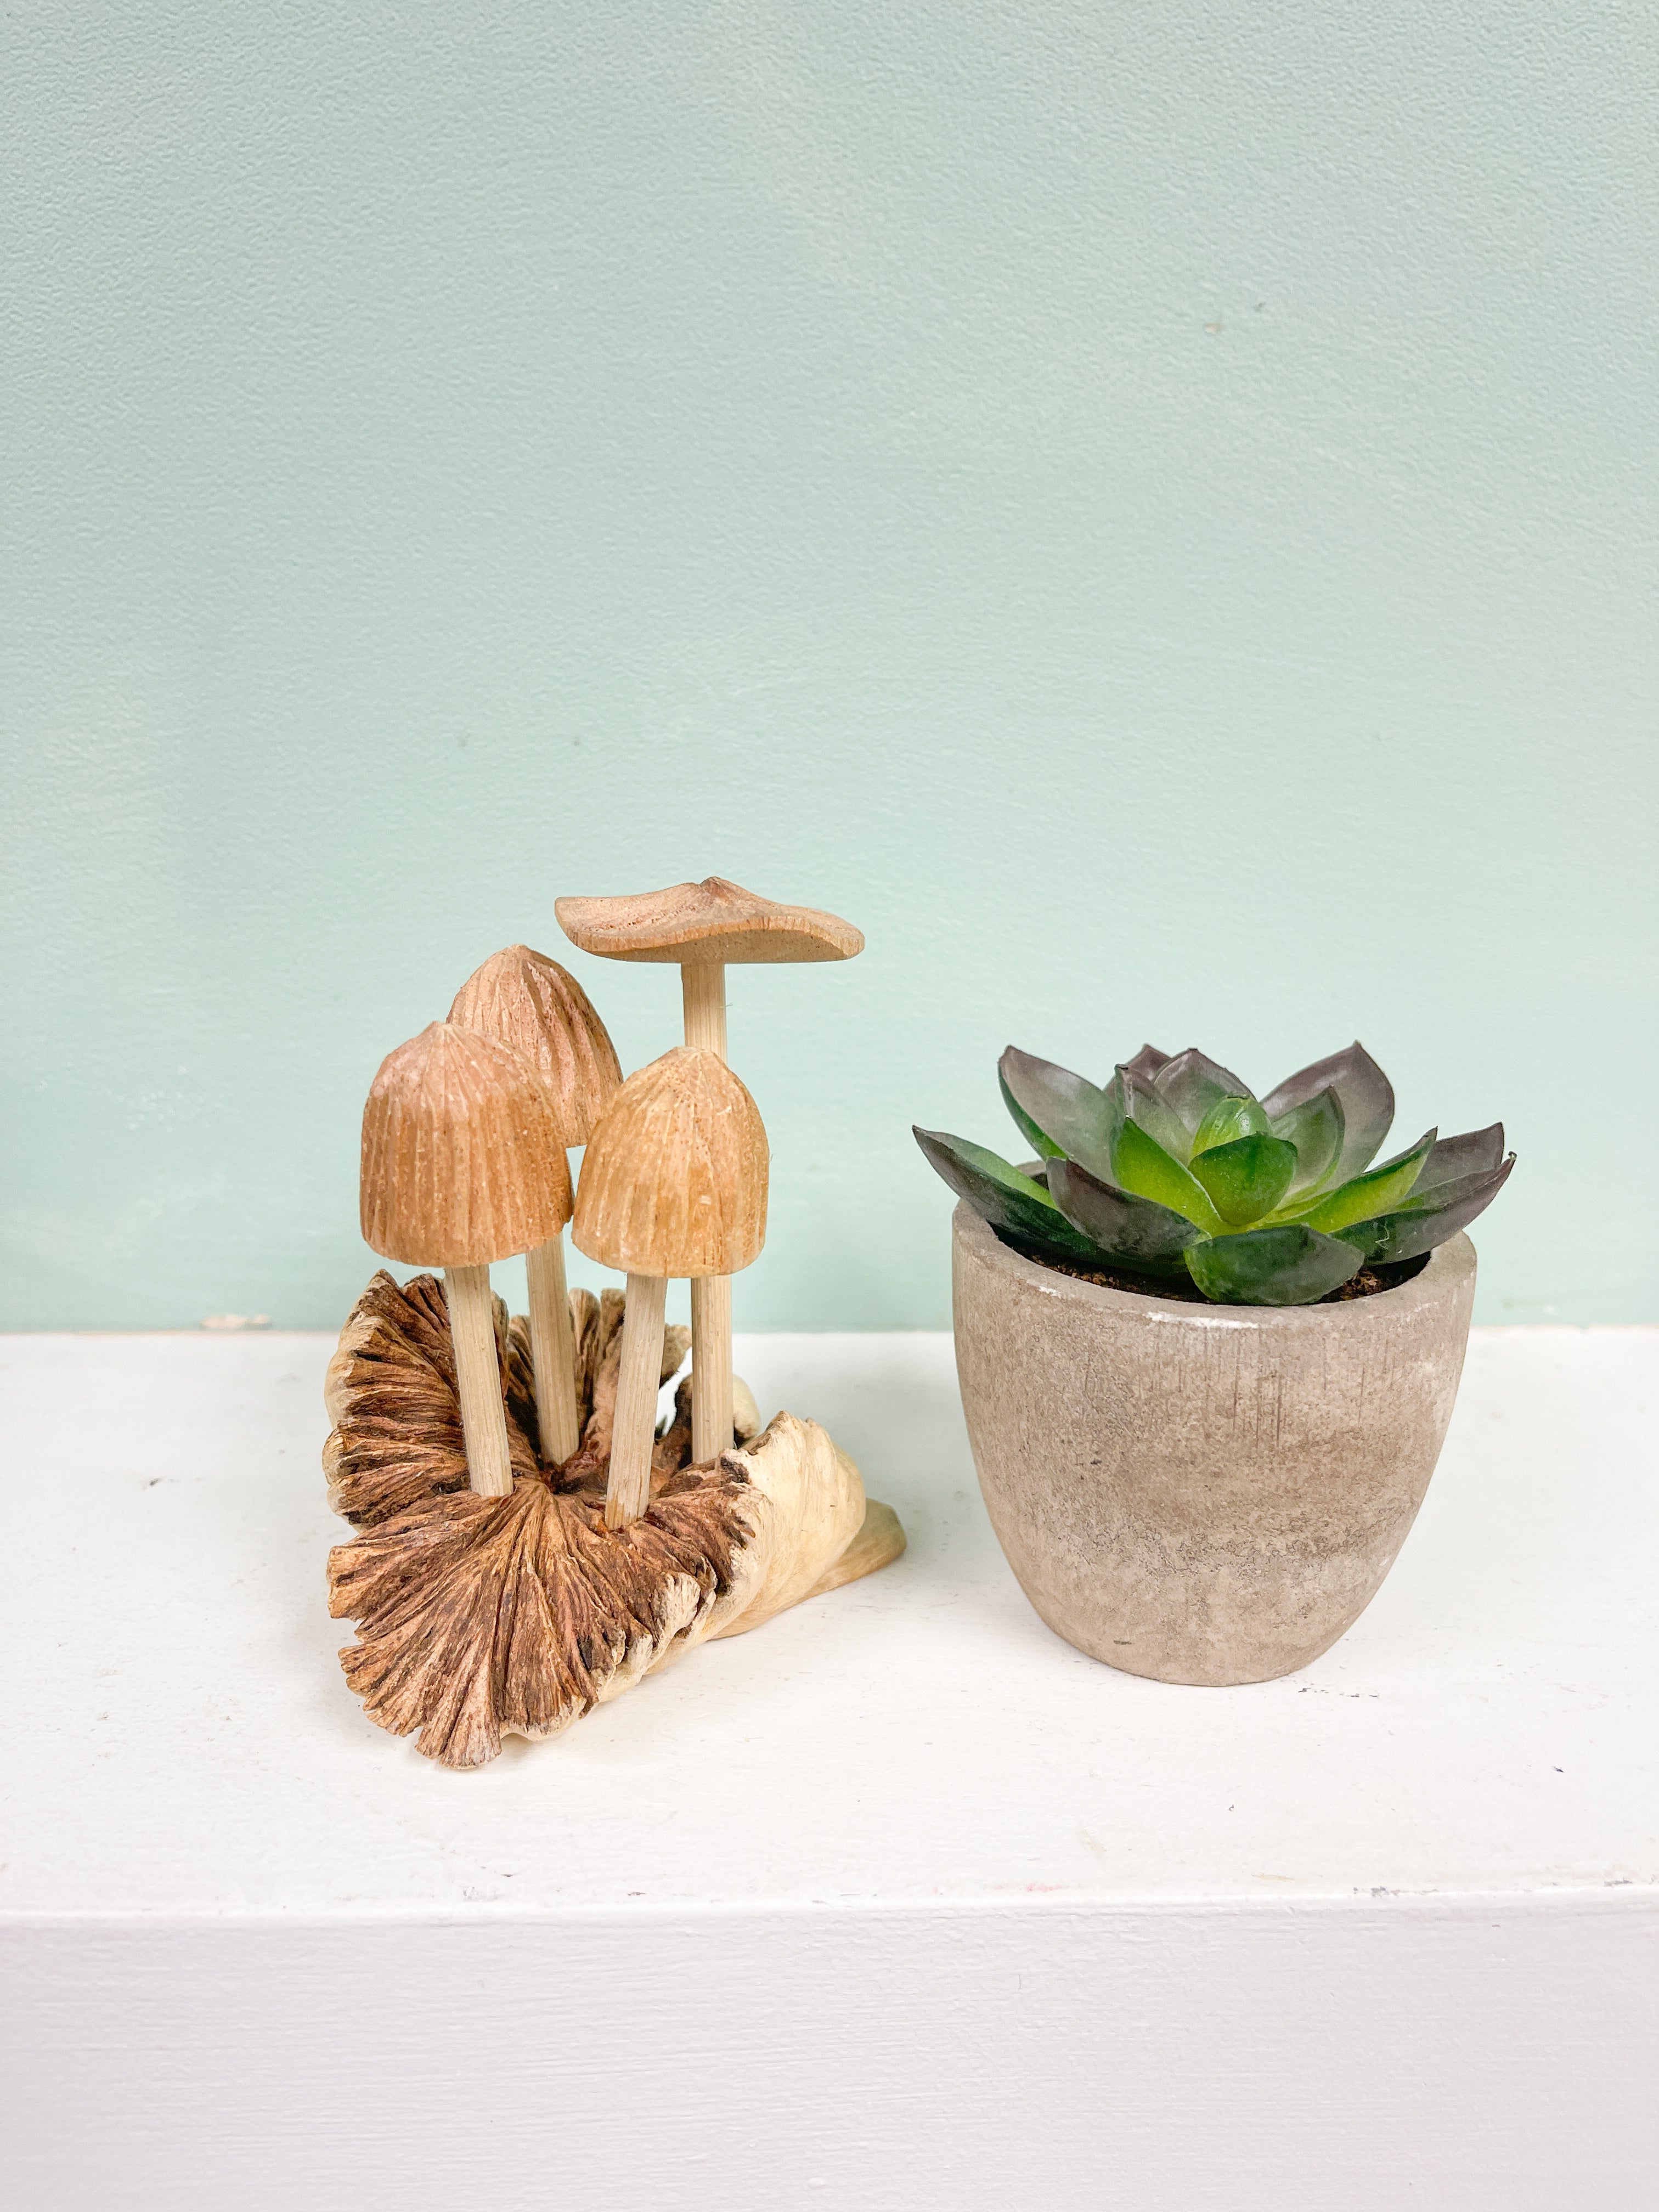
713	920
463	1159
528	1001
673	1182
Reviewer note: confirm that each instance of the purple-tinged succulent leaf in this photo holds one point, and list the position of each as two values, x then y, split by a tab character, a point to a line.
1140	1164
1367	1100
1316	1128
1378	1191
1137	1232
1427	1218
1015	1205
1291	1266
1227	1120
1044	1147
1192	1083
1156	1116
1146	1062
1477	1152
1060	1113
1246	1179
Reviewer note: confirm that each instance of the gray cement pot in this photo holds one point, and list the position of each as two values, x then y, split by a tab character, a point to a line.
1201	1493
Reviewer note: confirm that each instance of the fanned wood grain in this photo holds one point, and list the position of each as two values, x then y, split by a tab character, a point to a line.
480	1616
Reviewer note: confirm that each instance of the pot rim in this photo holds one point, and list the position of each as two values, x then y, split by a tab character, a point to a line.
1450	1265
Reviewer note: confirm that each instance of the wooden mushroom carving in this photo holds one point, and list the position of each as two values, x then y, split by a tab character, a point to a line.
673	1183
462	1165
495	1592
702	928
527	1001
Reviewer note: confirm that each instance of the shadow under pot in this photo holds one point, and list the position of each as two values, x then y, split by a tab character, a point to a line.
1206	1494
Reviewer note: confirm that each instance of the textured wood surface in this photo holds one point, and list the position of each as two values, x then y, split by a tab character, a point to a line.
552	1351
704	994
627	1488
715	919
479	1617
524	1000
462	1161
484	1422
673	1182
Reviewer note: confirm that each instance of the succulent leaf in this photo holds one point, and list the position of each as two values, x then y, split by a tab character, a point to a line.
1246	1178
1044	1147
1367	1101
1428	1217
1229	1117
1156	1116
1290	1266
1316	1128
1146	1062
1192	1083
1140	1164
1136	1231
1012	1202
1061	1113
1376	1192
1477	1152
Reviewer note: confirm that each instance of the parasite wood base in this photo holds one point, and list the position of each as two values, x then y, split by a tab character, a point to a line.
479	1617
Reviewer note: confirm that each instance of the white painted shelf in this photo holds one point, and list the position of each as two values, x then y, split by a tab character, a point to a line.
897	1902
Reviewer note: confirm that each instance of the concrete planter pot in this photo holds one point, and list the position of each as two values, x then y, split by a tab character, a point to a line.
1200	1493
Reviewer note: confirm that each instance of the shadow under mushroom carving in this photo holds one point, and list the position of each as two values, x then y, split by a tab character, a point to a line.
482	1616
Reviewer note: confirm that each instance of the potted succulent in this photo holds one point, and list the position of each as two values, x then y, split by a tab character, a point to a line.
1208	1348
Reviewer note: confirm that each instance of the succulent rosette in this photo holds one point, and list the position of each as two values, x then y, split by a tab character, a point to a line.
1176	1171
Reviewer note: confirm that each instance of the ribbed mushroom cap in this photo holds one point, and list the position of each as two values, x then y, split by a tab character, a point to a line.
463	1159
713	920
673	1182
531	1003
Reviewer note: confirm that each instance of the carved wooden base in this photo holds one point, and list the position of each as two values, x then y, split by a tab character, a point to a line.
479	1617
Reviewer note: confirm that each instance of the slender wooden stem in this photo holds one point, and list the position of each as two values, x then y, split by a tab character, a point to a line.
703	983
552	1352
711	1367
628	1491
479	1379
703	986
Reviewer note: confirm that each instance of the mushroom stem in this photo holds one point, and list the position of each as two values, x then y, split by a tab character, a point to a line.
552	1352
628	1489
479	1379
711	1367
703	983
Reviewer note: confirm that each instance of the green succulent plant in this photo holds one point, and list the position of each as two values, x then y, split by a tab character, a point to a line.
1176	1170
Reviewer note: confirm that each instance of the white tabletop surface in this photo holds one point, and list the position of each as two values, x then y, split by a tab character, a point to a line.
181	1739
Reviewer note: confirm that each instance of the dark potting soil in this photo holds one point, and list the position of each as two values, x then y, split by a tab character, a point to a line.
1364	1285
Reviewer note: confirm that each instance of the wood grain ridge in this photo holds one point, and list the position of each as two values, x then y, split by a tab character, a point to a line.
674	1179
463	1163
525	1000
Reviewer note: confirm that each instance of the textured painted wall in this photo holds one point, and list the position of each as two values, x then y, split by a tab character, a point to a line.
1148	509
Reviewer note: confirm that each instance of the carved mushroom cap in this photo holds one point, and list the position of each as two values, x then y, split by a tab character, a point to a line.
713	920
673	1182
528	1001
463	1159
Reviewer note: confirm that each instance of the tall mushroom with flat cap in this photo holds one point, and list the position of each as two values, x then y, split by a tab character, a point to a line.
529	1002
673	1183
462	1165
703	928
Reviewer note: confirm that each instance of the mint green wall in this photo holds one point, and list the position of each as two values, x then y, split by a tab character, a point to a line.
1148	509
